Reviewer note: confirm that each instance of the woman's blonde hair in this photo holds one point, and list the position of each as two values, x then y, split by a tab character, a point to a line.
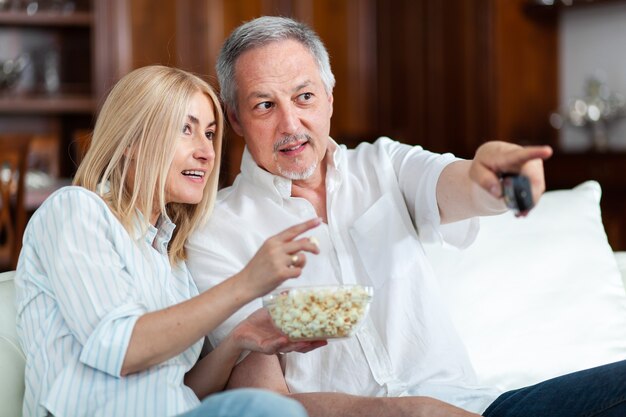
140	121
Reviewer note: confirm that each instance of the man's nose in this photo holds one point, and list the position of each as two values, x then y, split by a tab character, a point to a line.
289	120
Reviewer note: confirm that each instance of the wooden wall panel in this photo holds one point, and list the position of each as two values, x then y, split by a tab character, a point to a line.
199	27
447	75
348	29
112	49
153	32
526	51
401	72
455	74
433	67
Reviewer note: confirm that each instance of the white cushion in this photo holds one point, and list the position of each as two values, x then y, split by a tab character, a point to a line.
540	296
11	357
620	257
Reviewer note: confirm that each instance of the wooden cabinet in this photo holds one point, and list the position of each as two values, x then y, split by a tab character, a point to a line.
71	61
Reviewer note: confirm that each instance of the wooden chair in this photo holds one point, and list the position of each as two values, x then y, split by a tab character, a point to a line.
13	217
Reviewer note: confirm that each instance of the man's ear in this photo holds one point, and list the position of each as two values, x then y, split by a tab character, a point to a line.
331	100
233	119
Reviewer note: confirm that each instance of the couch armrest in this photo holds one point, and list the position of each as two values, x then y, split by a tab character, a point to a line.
620	257
11	356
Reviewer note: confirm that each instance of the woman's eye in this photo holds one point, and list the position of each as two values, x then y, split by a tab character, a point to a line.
187	129
210	135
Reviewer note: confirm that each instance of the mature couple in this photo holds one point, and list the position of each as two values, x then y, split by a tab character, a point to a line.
112	322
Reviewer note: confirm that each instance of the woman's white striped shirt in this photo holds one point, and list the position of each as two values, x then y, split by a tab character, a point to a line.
82	282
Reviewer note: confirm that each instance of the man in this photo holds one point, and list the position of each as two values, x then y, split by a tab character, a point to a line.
378	203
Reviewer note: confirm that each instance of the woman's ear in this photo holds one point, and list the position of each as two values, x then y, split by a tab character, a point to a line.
129	152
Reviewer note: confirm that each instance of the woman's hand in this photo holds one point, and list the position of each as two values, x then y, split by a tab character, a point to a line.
257	333
280	257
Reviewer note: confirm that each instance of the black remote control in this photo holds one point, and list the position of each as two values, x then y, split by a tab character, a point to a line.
517	193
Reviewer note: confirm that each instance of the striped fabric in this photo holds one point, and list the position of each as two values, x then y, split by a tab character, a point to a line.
82	282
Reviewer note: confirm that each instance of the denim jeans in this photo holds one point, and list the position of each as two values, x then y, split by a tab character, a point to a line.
595	392
247	402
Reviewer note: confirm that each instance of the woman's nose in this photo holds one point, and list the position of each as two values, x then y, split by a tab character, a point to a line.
204	150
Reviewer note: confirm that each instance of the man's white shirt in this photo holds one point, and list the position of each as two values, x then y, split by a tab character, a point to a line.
381	203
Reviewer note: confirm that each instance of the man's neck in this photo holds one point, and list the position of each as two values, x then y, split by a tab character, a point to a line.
313	189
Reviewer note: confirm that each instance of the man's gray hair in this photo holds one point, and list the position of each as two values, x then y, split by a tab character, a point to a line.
260	32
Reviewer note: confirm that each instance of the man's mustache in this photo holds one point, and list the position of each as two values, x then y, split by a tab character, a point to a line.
285	140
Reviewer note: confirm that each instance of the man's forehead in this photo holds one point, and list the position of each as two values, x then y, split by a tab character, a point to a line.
292	88
279	67
274	54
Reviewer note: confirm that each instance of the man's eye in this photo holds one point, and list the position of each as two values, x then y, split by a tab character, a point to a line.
266	105
187	129
305	98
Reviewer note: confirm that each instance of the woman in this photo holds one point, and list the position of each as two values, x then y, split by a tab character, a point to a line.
108	315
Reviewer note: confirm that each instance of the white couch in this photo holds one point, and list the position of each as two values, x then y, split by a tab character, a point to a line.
537	297
12	359
532	298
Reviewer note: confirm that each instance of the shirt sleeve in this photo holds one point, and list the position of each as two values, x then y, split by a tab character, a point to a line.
418	171
78	243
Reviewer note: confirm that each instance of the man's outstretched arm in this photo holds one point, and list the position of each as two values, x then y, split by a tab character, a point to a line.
264	371
472	188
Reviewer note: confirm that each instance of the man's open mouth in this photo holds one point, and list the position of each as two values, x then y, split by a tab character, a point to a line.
294	147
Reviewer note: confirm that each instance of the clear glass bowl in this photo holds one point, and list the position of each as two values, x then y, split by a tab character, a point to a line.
319	312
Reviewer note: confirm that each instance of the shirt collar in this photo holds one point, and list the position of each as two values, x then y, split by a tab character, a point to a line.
163	233
280	186
158	236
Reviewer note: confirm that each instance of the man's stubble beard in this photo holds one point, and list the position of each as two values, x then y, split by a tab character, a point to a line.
302	174
298	175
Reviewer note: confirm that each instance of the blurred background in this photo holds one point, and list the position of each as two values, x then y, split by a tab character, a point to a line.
445	74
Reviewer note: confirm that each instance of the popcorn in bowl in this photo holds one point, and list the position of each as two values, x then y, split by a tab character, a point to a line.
314	313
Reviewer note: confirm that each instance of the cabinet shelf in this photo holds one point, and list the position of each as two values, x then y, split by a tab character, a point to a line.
76	19
74	57
539	6
58	104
